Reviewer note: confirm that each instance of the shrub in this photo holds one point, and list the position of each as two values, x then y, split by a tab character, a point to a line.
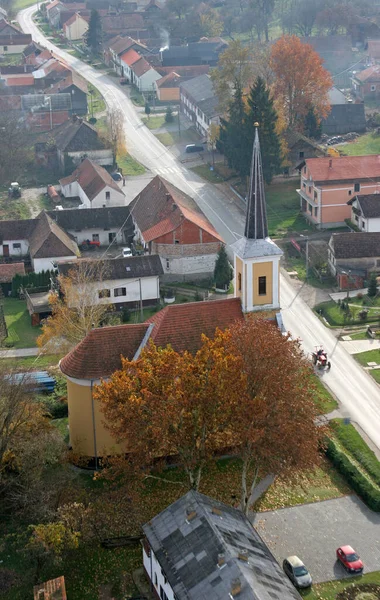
359	483
359	296
126	314
169	115
363	314
354	443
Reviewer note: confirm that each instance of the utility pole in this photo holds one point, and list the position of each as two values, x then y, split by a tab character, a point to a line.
141	302
179	122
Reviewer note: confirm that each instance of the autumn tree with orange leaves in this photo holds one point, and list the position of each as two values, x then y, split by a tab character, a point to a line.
301	82
170	403
249	389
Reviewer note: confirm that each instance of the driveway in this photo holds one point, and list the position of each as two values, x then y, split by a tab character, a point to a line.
314	531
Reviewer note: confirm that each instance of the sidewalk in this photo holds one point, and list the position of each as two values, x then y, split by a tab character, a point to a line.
357	346
19	352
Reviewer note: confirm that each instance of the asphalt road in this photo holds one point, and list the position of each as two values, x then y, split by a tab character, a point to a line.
358	393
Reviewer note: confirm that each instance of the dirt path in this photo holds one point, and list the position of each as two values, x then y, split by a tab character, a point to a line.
31	197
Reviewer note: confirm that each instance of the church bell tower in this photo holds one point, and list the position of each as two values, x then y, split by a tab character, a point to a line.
256	256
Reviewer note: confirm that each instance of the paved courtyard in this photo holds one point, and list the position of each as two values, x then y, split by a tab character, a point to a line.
314	531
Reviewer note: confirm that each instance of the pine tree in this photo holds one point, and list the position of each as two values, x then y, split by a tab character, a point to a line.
313	129
93	35
222	271
232	135
262	111
169	115
372	286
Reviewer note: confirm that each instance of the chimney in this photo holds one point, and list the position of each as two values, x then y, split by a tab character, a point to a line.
168	196
221	560
235	587
243	555
216	511
190	514
174	206
330	163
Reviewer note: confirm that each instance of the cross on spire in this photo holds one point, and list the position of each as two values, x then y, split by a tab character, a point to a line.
256	225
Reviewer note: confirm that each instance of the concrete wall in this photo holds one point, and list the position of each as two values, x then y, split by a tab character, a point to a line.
100	157
168	94
187	259
76	30
103	236
145	83
150	291
115	198
23	251
5	50
156	575
47	264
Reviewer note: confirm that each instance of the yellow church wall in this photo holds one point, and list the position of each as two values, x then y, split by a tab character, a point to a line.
264	269
81	425
239	271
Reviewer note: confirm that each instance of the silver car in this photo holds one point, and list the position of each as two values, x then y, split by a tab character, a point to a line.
297	572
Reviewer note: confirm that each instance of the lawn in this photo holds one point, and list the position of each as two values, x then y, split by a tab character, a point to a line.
62	426
136	97
325	401
20	330
337	317
365	144
283	209
329	591
370	356
41	362
20	4
359	336
170	138
205	172
13	208
96	101
154	122
130	166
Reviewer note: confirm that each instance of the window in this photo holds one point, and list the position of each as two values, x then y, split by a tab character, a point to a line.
5	48
155	580
301	155
349	192
176	241
315	195
111	237
363	224
304	169
163	596
17	246
262	286
95	237
120	291
239	282
108	195
309	189
316	211
304	185
373	88
104	293
167	264
357	187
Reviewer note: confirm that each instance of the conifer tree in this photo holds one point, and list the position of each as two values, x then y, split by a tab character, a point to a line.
233	135
372	286
262	111
93	35
313	128
222	271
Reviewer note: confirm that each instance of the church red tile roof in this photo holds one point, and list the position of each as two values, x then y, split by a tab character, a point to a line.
180	325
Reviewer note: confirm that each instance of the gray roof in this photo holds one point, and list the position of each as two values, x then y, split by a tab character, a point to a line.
48	240
16	230
209	107
74	135
369	205
355	245
255	248
188	550
77	219
336	96
36	102
124	268
200	88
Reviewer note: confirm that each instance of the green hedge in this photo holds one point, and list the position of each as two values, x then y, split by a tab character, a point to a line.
359	483
30	280
354	443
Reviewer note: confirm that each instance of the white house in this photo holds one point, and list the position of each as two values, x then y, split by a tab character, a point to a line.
93	185
201	548
75	27
143	76
199	102
41	238
128	281
104	225
365	212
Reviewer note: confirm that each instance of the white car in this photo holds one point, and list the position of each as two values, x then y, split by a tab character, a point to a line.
297	572
127	252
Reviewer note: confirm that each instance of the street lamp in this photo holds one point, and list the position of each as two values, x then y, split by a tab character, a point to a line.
307	253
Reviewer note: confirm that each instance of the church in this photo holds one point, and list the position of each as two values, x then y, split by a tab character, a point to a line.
98	355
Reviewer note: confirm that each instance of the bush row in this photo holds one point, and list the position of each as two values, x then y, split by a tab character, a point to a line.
359	483
354	443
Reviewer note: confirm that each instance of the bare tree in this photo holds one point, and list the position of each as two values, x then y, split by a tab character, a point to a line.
115	133
14	150
80	305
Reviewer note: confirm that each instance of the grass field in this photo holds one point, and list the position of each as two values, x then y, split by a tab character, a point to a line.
336	317
96	102
325	400
13	208
204	171
365	144
154	122
20	330
43	361
130	166
283	208
329	591
371	356
20	4
170	138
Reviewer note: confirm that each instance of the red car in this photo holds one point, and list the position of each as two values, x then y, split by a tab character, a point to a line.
349	559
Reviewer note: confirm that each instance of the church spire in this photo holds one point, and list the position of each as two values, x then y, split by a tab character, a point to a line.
256	225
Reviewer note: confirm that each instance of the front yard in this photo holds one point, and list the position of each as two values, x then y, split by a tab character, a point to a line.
370	356
17	318
365	144
346	590
337	317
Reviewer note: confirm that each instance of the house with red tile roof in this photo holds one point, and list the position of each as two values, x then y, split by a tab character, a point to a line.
93	185
167	88
169	223
366	84
119	45
127	60
327	184
99	355
143	75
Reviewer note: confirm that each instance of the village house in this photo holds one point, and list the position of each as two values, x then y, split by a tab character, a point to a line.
93	185
143	75
127	282
199	547
204	52
75	27
168	87
113	225
70	143
300	147
14	43
127	60
169	223
352	257
373	51
328	183
131	24
344	116
366	84
41	239
365	212
116	47
46	111
53	12
74	85
199	103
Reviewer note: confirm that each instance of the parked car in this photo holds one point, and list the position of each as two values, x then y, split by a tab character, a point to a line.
116	176
349	559
194	148
297	572
127	252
